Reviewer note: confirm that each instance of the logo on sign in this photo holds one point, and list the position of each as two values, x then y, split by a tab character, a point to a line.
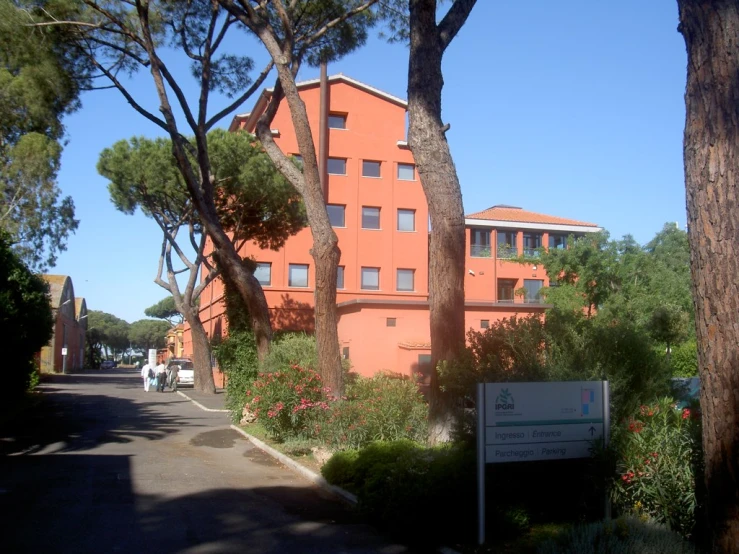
504	400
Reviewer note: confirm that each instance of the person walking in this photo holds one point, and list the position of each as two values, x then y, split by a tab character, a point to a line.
161	377
174	371
147	373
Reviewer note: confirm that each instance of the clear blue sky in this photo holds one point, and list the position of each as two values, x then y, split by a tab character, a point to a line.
572	109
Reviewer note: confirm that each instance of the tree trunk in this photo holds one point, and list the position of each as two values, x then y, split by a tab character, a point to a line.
200	353
711	150
440	183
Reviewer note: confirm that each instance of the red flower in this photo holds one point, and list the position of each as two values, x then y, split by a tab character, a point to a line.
686	413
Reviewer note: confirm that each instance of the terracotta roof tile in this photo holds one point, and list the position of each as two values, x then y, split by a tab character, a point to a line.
519	215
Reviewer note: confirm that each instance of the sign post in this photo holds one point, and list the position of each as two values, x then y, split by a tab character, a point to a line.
519	422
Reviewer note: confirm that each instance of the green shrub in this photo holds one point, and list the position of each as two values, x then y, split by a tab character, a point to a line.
409	489
284	401
684	359
376	408
291	349
621	536
657	450
237	357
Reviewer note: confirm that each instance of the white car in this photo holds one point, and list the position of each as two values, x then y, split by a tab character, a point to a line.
185	373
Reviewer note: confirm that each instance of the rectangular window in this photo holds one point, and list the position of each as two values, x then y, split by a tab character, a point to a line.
263	273
298	275
345	353
370	218
532	286
406	172
336	215
391	322
370	169
507	244
406	220
337	121
340	277
405	280
506	288
558	242
484	324
336	166
298	158
371	278
480	243
531	242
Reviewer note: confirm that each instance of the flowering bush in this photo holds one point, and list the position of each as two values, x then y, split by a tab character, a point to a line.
657	450
284	401
376	408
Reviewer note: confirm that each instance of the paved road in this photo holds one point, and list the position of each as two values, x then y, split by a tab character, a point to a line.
101	466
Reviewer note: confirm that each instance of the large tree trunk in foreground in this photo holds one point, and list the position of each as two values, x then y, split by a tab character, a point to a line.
439	179
711	150
200	353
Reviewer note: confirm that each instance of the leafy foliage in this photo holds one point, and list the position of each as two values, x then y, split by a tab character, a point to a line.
25	320
237	357
40	83
107	330
658	449
291	349
148	333
376	408
624	535
164	309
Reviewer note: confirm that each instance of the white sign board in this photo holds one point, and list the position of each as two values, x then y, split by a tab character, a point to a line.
152	357
524	422
64	351
542	421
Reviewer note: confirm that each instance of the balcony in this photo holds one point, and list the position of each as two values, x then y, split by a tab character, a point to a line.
506	252
480	251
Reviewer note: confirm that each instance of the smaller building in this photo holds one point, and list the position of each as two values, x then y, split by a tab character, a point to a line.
66	349
175	342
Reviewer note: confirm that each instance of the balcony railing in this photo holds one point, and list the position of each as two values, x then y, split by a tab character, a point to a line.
479	251
507	252
531	252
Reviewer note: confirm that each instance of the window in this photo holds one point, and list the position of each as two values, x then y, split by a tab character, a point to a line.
405	280
532	286
484	324
370	169
506	288
406	172
298	158
345	353
531	241
371	278
558	242
336	166
336	215
480	243
337	121
340	277
406	220
391	322
370	218
507	244
263	273
298	275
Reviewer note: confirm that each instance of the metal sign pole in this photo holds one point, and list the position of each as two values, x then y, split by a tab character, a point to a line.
606	441
481	463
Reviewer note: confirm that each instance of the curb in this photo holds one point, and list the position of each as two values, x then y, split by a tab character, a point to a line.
299	469
198	404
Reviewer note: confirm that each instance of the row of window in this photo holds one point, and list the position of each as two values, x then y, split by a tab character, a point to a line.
297	277
480	246
370	168
531	292
406	220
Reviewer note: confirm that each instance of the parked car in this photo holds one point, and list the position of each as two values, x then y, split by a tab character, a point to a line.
107	364
186	373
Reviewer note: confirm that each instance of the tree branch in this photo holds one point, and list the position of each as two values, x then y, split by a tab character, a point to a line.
453	21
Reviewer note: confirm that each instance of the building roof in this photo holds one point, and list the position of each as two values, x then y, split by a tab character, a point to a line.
250	118
513	214
56	288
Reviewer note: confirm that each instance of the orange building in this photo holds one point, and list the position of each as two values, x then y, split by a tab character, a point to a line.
379	212
66	349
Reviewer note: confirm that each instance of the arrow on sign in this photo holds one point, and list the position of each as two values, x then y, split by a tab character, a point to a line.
592	430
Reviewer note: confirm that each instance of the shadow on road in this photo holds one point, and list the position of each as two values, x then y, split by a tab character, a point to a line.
71	422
